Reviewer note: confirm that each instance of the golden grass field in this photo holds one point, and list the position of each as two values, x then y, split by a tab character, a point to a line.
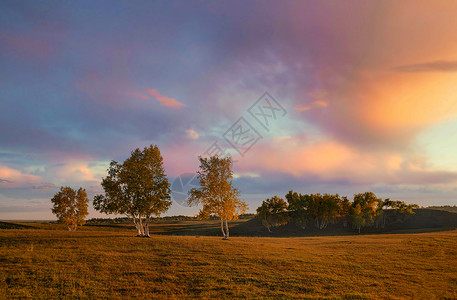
97	263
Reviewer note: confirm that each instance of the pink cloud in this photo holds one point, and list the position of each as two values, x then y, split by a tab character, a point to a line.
331	160
11	178
165	101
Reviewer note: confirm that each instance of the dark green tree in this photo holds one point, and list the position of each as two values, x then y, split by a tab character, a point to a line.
298	208
137	188
273	212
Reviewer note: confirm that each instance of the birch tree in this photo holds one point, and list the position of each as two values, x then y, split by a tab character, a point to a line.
70	206
137	188
216	193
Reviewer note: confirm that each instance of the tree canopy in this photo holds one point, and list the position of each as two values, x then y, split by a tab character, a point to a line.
137	188
273	212
70	206
216	193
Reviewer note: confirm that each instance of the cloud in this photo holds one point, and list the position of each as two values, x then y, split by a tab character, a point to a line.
314	104
331	161
192	134
434	66
12	178
74	172
166	101
246	175
44	186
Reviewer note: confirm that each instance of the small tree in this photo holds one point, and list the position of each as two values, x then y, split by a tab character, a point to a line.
137	188
216	193
357	218
70	206
273	212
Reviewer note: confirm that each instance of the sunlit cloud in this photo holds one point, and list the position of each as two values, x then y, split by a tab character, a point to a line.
246	174
74	172
14	178
165	101
192	134
330	161
314	104
434	66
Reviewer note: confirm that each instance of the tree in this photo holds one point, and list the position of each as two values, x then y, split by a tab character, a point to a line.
137	188
273	212
358	221
298	205
70	206
345	210
320	209
329	207
216	192
402	210
365	209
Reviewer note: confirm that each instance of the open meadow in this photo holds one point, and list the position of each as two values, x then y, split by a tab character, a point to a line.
45	261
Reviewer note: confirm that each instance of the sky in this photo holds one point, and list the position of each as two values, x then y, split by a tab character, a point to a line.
335	96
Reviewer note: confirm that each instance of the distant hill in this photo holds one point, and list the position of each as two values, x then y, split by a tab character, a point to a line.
447	208
11	225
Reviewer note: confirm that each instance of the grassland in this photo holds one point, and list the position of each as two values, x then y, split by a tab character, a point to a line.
42	261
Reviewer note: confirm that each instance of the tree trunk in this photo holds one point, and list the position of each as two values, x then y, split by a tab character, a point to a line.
359	229
137	226
226	229
141	227
146	228
222	228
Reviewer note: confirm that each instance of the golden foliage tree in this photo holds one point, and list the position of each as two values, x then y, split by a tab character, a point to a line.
216	193
70	206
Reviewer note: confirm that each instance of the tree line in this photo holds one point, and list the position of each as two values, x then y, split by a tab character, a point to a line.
320	210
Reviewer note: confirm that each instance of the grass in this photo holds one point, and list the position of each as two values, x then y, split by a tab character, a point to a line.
108	262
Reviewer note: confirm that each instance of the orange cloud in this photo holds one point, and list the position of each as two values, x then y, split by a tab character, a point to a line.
330	160
318	103
165	101
75	171
408	102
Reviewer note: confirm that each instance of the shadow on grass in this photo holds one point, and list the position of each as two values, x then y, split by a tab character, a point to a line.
424	220
10	225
